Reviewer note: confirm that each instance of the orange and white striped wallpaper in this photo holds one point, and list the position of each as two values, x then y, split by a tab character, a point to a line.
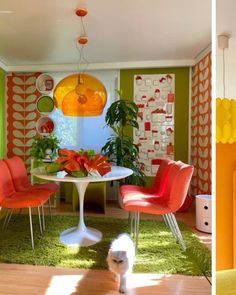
201	126
21	114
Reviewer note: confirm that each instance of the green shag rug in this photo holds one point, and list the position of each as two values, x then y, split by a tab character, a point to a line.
157	251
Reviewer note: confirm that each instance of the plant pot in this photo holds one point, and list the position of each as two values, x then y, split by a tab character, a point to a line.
48	155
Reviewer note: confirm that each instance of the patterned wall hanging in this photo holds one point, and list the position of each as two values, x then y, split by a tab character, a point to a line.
154	96
21	114
201	127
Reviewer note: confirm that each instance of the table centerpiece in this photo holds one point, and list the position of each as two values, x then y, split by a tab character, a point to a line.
80	163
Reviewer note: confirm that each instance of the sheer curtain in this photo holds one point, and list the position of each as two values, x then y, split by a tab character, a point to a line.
86	132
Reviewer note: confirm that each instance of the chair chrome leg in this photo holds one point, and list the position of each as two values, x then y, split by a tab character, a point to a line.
31	228
180	237
9	218
43	217
5	219
50	208
166	222
172	227
134	225
137	231
131	224
169	224
40	224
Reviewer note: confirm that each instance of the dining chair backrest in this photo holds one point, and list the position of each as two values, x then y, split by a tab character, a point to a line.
161	176
178	187
162	168
6	184
169	179
18	173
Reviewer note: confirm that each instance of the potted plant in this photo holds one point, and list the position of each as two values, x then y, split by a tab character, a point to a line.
45	148
121	117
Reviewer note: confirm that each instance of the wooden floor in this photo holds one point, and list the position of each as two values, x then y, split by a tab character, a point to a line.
39	280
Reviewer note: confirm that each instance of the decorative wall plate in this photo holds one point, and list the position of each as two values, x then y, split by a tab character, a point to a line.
45	104
45	83
45	126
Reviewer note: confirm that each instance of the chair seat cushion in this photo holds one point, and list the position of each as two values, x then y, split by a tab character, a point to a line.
25	200
134	191
129	192
146	206
36	194
52	188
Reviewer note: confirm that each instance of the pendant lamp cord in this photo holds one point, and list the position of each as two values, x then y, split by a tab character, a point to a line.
80	47
82	60
223	73
83	31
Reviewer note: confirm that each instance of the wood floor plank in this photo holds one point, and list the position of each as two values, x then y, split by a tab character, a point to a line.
40	280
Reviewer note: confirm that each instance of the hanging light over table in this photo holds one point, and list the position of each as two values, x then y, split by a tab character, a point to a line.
80	94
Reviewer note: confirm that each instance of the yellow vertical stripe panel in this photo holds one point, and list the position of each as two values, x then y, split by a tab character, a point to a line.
225	120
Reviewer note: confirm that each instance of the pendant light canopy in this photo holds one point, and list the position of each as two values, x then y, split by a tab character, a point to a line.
80	94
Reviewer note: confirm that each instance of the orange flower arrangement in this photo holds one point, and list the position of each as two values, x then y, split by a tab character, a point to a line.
80	163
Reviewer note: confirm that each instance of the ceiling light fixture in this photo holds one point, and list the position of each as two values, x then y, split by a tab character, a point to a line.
80	94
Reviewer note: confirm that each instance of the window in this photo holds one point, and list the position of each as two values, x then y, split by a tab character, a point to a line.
85	132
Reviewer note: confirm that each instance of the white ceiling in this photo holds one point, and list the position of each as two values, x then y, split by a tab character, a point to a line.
225	25
225	12
44	32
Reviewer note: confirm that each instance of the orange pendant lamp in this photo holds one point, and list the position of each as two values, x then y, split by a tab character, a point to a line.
80	94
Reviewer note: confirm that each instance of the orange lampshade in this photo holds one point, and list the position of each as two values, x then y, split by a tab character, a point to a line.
80	95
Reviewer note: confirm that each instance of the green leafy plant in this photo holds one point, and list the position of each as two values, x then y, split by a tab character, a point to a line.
121	115
40	146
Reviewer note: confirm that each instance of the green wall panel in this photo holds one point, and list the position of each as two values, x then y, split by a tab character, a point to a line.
2	114
181	102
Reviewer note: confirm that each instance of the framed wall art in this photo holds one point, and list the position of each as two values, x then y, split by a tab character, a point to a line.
155	97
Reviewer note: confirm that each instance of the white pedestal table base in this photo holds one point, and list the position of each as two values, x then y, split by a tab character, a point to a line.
80	237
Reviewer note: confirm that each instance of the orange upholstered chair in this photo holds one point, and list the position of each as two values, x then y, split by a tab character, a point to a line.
133	191
11	199
21	182
174	186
